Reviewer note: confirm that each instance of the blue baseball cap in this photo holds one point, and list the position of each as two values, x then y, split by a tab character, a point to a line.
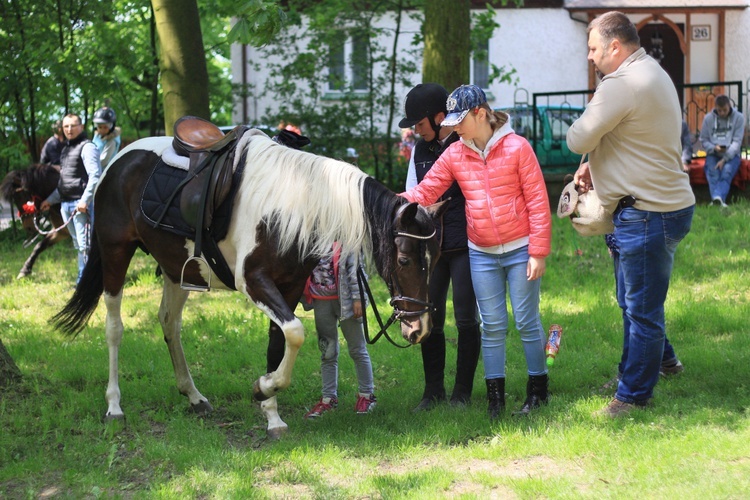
461	101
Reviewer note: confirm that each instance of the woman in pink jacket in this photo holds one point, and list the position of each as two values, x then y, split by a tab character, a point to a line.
509	229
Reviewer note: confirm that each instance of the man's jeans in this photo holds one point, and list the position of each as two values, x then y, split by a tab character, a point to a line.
668	356
493	275
719	181
79	232
647	242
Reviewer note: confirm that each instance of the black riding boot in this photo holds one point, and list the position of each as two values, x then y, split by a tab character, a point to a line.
433	360
536	394
495	397
469	340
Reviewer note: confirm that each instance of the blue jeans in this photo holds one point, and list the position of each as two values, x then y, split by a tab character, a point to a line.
79	232
668	356
719	181
492	275
647	242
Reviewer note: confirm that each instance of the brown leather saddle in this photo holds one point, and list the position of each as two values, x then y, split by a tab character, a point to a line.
207	185
209	178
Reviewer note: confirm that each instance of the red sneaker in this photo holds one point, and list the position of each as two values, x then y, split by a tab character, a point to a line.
365	404
322	407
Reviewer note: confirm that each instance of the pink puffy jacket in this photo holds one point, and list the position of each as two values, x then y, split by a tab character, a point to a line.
506	198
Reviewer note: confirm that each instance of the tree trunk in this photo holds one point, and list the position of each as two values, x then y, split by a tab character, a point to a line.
184	77
9	372
447	34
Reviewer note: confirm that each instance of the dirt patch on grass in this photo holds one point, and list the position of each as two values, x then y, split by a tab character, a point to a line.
483	477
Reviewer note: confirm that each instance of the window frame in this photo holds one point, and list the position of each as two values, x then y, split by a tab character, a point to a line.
351	70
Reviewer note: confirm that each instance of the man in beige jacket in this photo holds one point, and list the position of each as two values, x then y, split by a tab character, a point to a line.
631	132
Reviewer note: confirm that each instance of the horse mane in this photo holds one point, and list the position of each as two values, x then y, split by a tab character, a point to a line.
33	178
307	201
12	180
383	204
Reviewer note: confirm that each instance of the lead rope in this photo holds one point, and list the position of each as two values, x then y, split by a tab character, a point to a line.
364	286
53	231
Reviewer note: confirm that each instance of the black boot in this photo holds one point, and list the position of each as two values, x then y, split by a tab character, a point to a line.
433	361
536	394
430	399
495	397
469	339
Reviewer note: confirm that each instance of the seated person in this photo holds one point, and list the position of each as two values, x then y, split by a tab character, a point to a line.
687	147
721	137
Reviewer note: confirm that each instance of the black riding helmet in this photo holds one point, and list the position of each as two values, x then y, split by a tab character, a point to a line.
105	115
424	101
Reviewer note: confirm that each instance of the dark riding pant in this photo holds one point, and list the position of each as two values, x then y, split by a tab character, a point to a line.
453	266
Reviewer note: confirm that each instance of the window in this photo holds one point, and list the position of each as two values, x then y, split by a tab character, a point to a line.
480	65
348	65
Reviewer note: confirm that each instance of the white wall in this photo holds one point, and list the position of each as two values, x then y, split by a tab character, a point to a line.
547	48
704	65
737	47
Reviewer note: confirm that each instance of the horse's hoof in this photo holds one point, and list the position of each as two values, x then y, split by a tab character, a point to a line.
202	408
21	275
276	433
108	417
257	393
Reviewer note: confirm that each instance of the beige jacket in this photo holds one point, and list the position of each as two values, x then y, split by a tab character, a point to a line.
631	130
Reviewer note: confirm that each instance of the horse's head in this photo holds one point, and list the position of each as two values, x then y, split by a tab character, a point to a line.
417	251
15	190
27	188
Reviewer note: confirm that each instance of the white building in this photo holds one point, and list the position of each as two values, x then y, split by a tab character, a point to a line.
546	43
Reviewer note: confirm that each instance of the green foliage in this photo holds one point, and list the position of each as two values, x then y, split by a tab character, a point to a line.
77	56
52	441
72	57
345	116
258	22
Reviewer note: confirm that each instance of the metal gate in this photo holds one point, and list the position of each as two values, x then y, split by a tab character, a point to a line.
545	120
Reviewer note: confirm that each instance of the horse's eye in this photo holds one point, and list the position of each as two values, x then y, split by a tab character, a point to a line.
403	261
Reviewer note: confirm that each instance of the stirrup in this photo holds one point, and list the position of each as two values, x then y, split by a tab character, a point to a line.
189	286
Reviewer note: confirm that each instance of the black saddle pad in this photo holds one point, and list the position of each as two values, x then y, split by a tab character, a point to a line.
160	186
162	182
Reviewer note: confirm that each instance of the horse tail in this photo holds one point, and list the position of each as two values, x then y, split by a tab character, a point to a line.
76	313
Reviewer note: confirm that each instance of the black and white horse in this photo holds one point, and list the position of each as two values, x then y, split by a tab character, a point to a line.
288	208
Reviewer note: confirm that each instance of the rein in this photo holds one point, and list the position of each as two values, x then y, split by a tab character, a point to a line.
364	286
398	313
53	231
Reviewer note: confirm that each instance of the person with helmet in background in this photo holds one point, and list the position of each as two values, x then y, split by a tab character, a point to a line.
425	109
107	135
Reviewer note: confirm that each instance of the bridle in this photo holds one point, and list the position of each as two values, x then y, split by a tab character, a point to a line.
397	296
395	288
29	209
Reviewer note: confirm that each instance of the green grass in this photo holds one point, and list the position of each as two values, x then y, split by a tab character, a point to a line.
694	441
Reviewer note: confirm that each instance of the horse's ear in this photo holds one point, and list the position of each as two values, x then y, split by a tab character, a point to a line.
436	210
406	214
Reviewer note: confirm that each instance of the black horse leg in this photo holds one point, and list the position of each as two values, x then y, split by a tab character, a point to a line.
38	248
275	351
